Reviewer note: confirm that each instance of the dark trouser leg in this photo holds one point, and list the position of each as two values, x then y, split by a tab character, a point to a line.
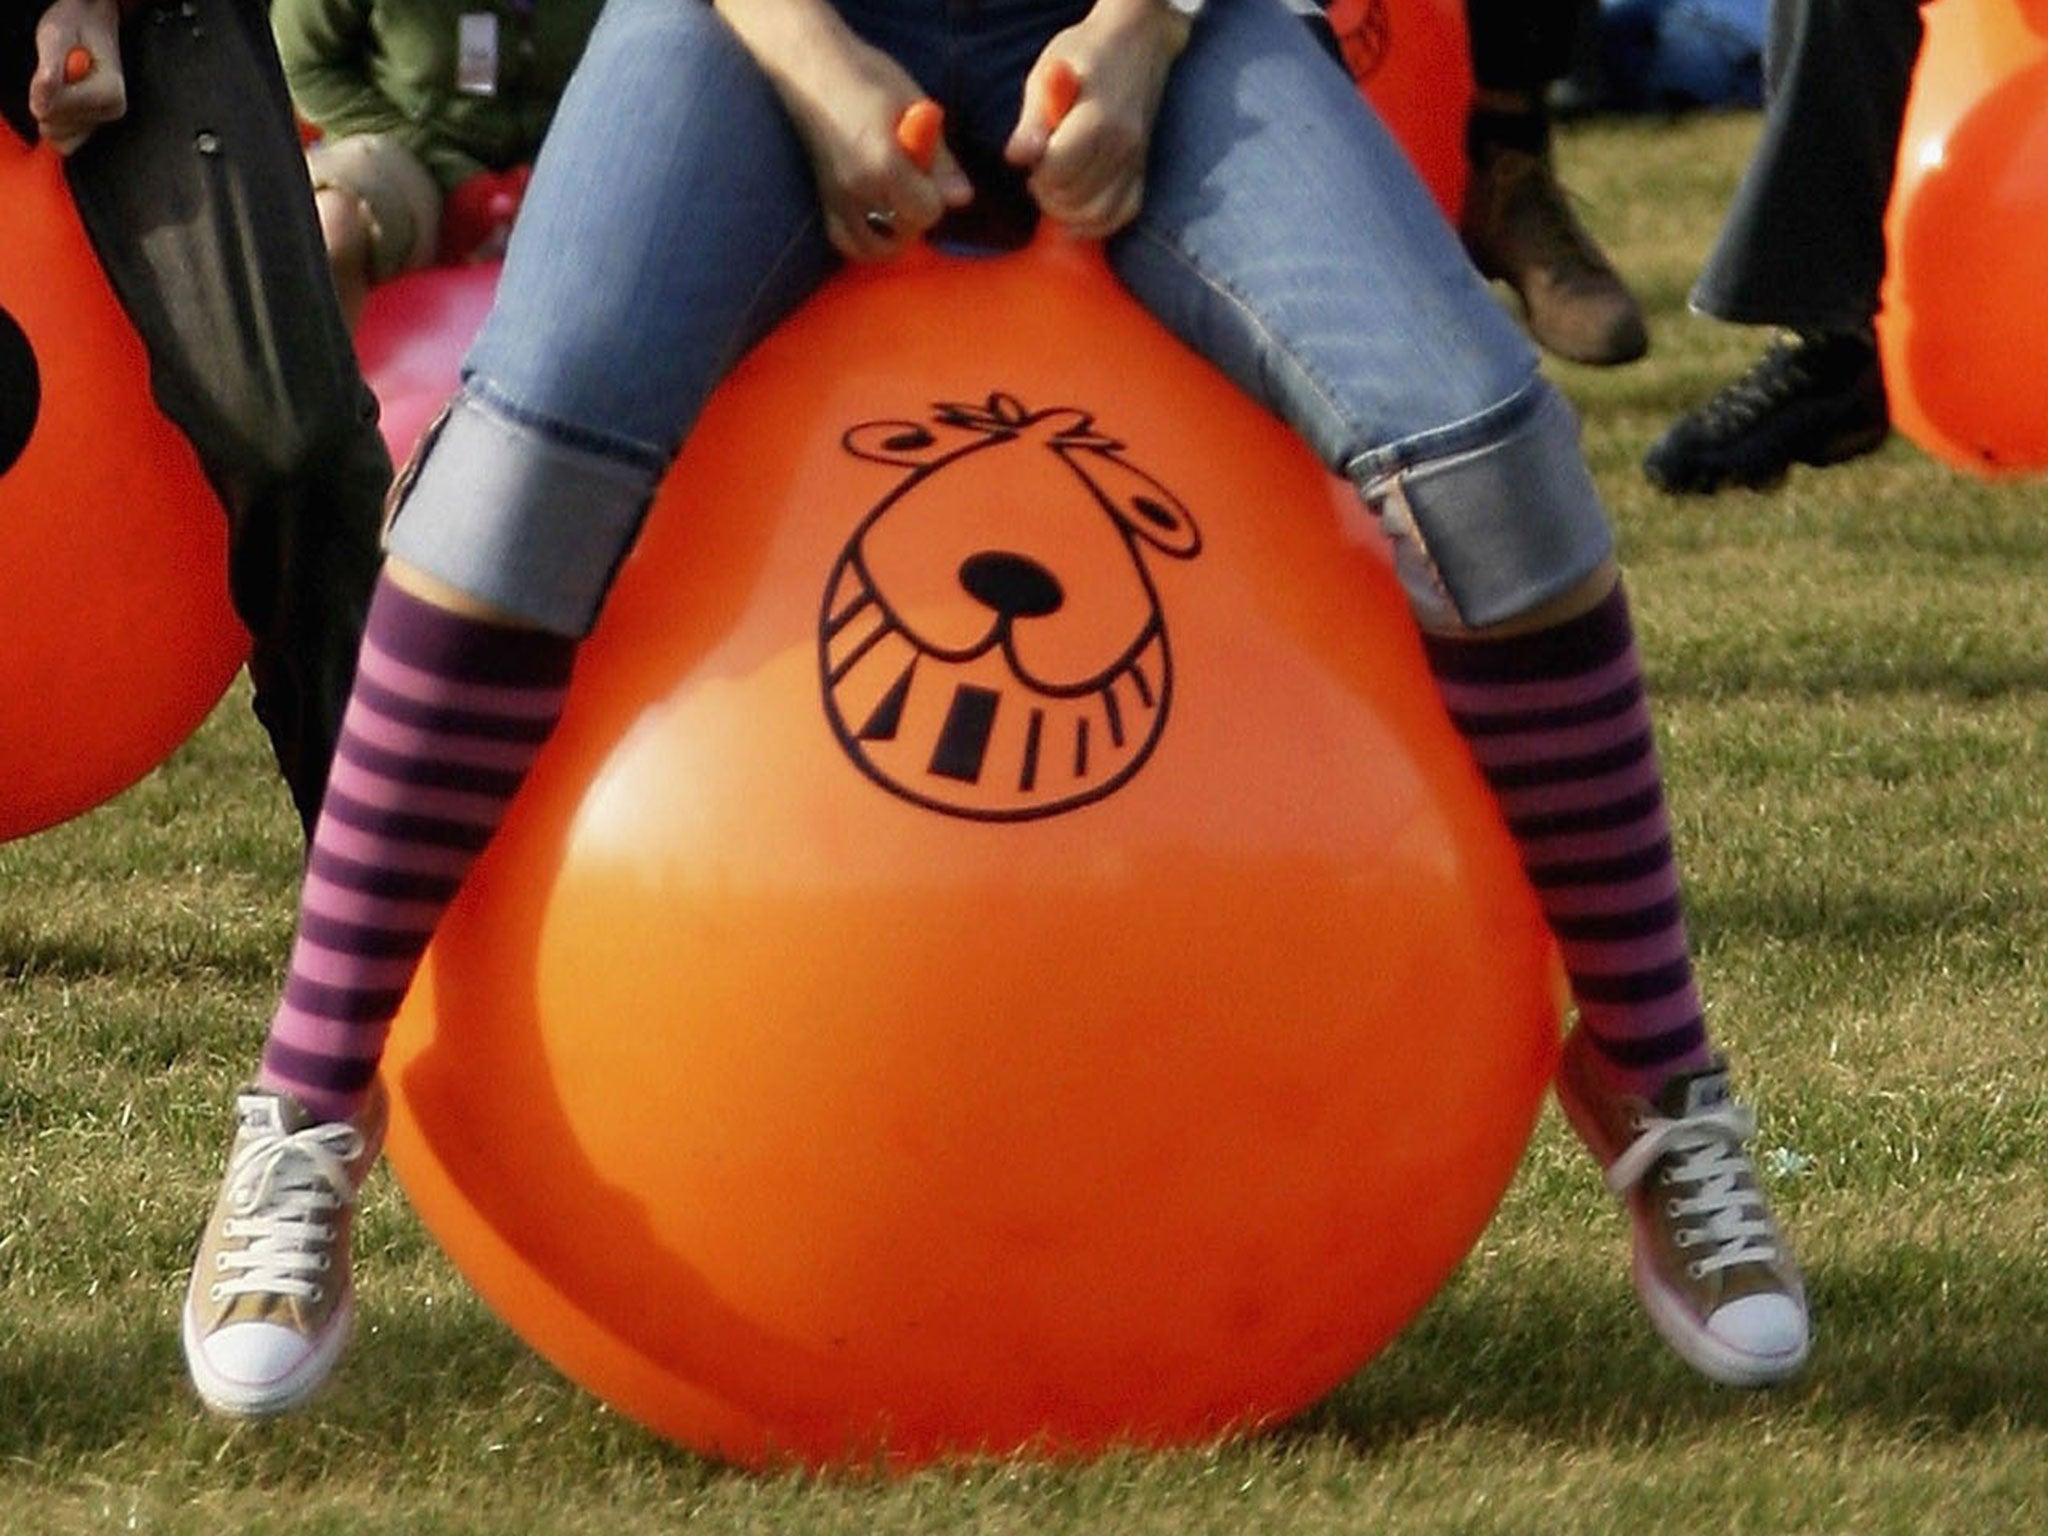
1521	45
198	204
1803	243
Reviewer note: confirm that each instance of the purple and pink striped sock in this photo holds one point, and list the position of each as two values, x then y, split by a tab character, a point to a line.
446	716
1559	724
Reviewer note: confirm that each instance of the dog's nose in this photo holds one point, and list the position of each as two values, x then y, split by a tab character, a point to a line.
1015	586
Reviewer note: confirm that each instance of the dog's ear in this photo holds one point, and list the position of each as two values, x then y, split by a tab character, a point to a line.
1138	502
951	430
912	444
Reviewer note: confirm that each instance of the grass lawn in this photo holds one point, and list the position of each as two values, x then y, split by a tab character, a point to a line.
1852	677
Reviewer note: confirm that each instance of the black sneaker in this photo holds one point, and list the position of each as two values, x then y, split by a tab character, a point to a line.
1809	400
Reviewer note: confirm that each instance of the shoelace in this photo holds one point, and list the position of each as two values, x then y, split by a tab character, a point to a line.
284	1188
1781	374
1706	1157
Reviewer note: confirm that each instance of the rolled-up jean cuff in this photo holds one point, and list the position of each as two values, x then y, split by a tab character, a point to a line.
520	520
1486	535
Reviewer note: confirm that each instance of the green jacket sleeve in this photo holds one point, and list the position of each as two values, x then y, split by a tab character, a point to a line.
326	47
395	67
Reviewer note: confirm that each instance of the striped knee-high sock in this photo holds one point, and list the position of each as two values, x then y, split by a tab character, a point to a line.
1559	724
446	716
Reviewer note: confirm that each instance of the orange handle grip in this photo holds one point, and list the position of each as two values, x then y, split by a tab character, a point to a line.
918	130
1062	90
77	65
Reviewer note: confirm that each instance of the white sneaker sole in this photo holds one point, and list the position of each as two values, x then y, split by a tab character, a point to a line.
1713	1357
237	1398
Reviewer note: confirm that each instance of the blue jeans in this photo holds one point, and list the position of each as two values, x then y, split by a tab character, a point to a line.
673	221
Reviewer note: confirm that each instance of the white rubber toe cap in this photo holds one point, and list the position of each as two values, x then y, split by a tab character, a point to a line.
1769	1326
254	1369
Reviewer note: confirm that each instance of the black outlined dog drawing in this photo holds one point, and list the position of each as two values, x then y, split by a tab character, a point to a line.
991	642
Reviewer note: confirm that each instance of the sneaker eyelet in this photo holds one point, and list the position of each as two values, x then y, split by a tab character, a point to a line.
1696	1271
216	1293
1682	1238
317	1294
220	1262
1671	1207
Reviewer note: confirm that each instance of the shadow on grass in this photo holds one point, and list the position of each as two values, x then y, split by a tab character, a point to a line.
1817	665
132	953
1909	1341
1919	1342
116	1387
1866	919
85	1391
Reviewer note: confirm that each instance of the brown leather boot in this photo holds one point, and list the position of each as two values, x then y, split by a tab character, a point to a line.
1520	229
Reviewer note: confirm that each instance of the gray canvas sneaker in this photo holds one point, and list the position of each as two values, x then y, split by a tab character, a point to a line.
1713	1271
270	1303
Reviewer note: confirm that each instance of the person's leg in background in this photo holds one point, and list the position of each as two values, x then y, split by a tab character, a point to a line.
1802	249
1518	222
380	213
248	355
